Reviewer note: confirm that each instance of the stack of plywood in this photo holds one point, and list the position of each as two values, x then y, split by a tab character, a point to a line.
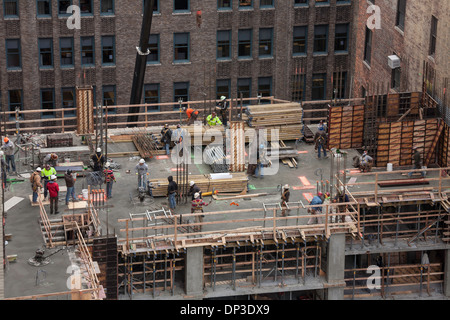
237	184
284	117
346	127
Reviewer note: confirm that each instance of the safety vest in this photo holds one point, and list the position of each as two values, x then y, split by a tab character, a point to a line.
213	122
47	173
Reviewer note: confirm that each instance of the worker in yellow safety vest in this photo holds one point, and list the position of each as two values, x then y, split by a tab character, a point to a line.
213	119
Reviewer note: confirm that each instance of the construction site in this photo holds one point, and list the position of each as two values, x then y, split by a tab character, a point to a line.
381	231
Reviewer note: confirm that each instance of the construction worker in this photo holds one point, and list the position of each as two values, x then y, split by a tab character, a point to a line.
141	170
322	126
318	199
193	189
213	119
320	140
53	189
417	159
98	159
327	200
46	173
192	115
109	179
70	184
8	148
197	207
222	108
365	162
285	194
341	197
35	180
51	159
172	190
3	168
166	138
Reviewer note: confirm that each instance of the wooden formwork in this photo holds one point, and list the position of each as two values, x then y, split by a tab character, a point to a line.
345	127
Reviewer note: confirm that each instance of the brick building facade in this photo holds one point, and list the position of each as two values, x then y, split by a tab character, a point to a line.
240	46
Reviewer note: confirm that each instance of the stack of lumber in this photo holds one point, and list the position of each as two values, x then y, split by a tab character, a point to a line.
396	139
286	154
285	117
237	184
345	127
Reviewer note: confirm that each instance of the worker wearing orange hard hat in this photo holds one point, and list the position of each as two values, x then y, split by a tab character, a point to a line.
8	148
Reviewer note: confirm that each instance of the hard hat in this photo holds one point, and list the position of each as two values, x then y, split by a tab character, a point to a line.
286	186
69	171
54	156
341	189
196	195
52	177
320	194
178	125
6	139
191	183
38	169
223	98
142	161
1	153
327	194
166	125
261	146
107	164
99	150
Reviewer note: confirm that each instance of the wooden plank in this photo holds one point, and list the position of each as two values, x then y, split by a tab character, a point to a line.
404	182
46	202
78	205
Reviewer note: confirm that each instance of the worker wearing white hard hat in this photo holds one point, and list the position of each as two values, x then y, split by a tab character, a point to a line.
141	170
285	199
53	189
194	189
222	108
98	160
35	180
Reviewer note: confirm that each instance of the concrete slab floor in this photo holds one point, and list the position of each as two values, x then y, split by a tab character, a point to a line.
22	219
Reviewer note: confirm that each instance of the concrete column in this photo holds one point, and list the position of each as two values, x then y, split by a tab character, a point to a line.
194	271
447	273
336	266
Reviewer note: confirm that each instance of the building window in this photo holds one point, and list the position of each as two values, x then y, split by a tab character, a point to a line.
318	86
341	38
433	36
181	47
44	8
320	39
368	46
339	85
395	78
266	4
155	6
265	86
265	42
222	88
181	5
223	4
108	50
107	7
13	56
244	87
151	95
68	100
245	43
66	48
344	1
86	7
63	5
223	44
153	46
180	91
109	97
87	51
15	101
299	3
48	103
45	53
300	40
11	8
245	4
319	2
401	10
298	87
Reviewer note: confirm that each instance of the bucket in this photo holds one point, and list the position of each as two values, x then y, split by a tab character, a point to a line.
389	167
85	193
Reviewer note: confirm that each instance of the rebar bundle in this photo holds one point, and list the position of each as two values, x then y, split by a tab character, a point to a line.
216	159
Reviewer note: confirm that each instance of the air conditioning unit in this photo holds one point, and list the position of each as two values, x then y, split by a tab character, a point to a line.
393	62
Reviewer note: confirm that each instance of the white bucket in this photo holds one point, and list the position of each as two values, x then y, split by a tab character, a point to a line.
389	167
85	193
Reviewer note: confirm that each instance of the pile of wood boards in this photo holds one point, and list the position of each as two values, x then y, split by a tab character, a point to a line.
346	127
286	154
285	117
237	184
396	140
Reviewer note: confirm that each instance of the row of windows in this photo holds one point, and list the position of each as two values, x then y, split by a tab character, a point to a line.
107	7
66	46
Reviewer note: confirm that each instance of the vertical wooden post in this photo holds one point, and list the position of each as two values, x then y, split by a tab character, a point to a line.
128	245
274	224
376	187
62	121
327	233
175	225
